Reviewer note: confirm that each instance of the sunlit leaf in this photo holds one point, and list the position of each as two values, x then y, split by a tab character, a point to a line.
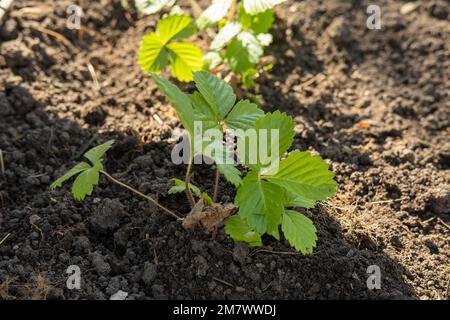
258	23
244	52
274	133
265	39
152	6
258	6
214	13
243	115
211	60
225	35
305	176
216	92
185	59
175	27
156	52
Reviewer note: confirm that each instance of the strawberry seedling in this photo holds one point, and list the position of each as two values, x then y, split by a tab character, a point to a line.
88	174
159	48
273	185
270	189
241	33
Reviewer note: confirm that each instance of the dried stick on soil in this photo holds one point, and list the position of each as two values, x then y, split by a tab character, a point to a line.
223	282
4	239
274	252
4	289
2	164
57	36
388	201
94	76
156	203
216	185
5	5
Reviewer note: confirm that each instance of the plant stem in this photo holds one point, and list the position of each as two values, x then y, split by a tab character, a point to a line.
216	185
232	11
187	181
156	203
197	10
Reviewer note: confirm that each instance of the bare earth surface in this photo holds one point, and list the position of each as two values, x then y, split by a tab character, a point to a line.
374	103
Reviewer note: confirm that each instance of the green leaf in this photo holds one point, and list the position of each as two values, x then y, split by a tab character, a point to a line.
88	175
225	35
265	39
214	13
153	55
207	198
175	27
231	173
185	58
156	52
258	6
300	202
203	111
82	166
244	52
180	186
258	23
243	115
260	203
152	6
274	134
306	177
248	77
85	182
283	123
180	101
217	92
211	60
238	230
218	151
95	154
299	230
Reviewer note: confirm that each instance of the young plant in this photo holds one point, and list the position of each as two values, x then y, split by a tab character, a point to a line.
270	188
242	32
158	49
214	106
88	174
240	41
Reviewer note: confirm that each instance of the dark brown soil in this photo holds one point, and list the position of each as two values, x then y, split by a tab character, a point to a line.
374	103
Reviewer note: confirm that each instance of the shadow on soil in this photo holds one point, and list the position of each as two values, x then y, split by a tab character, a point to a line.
122	242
